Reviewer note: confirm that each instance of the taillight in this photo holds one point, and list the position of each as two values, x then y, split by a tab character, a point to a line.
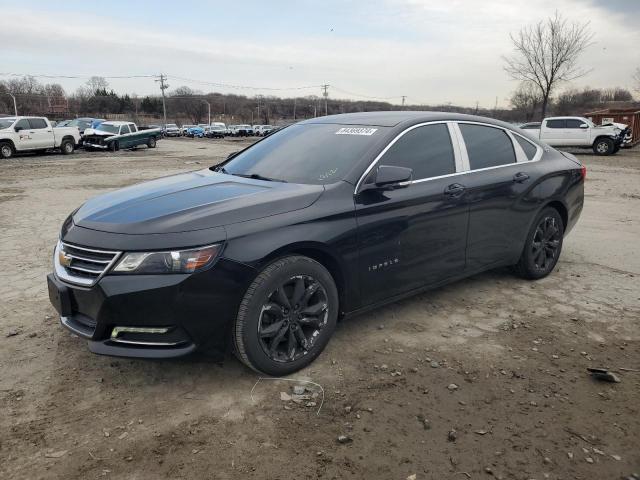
583	172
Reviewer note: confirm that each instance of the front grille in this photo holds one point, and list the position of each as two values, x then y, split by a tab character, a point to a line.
82	265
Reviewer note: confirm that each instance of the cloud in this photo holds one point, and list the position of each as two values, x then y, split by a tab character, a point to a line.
433	52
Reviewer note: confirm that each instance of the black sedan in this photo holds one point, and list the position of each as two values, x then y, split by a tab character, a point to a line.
323	219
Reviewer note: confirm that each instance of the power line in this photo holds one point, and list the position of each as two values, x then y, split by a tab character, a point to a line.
244	87
37	75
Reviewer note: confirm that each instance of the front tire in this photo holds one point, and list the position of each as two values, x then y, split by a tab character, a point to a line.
286	317
151	143
115	146
6	150
603	146
542	247
67	147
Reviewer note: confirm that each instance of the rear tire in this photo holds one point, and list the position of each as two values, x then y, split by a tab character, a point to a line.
151	143
67	147
603	146
543	246
286	317
6	150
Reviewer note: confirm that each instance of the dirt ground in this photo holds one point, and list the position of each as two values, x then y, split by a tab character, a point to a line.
485	377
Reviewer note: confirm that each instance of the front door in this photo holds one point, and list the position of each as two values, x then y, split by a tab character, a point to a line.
413	236
41	133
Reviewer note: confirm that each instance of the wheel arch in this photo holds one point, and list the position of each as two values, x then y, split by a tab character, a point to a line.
68	137
601	137
321	254
562	210
10	142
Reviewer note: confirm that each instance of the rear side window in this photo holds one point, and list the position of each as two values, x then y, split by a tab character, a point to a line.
487	146
37	123
529	148
134	129
556	123
427	150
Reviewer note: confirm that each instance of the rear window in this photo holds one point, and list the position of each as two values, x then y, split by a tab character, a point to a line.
487	146
315	154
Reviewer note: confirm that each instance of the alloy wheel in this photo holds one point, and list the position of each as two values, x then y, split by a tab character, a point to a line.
6	151
546	243
602	147
292	318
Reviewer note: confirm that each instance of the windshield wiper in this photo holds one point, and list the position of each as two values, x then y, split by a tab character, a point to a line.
257	176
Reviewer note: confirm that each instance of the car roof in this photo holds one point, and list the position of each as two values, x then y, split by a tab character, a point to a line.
395	118
116	123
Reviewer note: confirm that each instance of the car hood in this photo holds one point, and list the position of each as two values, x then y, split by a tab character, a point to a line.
192	201
101	133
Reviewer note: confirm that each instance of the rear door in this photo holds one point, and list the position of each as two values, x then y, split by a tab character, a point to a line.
412	236
501	168
553	132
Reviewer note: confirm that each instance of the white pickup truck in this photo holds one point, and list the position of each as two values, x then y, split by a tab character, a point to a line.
28	134
577	132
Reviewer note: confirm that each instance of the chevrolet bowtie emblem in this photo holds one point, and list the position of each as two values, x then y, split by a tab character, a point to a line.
64	259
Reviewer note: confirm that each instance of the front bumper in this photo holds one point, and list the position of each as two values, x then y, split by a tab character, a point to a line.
154	316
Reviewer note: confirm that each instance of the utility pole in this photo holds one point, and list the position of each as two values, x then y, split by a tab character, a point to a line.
15	108
209	107
163	87
325	94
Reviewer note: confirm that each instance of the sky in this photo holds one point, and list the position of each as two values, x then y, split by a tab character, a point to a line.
434	52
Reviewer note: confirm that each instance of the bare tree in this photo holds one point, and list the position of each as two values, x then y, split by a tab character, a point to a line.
547	54
636	78
96	83
526	100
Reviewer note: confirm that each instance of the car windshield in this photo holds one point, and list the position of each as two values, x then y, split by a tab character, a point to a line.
172	125
6	122
105	127
79	122
314	154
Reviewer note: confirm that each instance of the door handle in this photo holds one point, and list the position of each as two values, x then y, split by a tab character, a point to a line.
520	177
454	190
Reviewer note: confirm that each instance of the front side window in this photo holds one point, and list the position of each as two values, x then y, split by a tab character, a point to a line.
573	123
313	153
556	124
426	150
124	129
487	146
22	124
37	123
529	148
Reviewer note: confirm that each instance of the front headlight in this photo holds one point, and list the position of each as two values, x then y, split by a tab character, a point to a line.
177	261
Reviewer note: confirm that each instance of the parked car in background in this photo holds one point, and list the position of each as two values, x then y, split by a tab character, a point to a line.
29	134
231	130
625	133
195	131
84	123
184	129
531	126
266	130
172	130
579	132
242	130
116	135
216	131
63	123
326	218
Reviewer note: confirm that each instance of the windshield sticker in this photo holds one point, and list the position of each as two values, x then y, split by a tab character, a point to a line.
356	131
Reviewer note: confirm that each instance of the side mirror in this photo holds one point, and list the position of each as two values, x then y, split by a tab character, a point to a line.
17	129
584	125
390	177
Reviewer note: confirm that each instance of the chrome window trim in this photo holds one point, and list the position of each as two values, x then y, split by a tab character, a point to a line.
459	150
393	141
